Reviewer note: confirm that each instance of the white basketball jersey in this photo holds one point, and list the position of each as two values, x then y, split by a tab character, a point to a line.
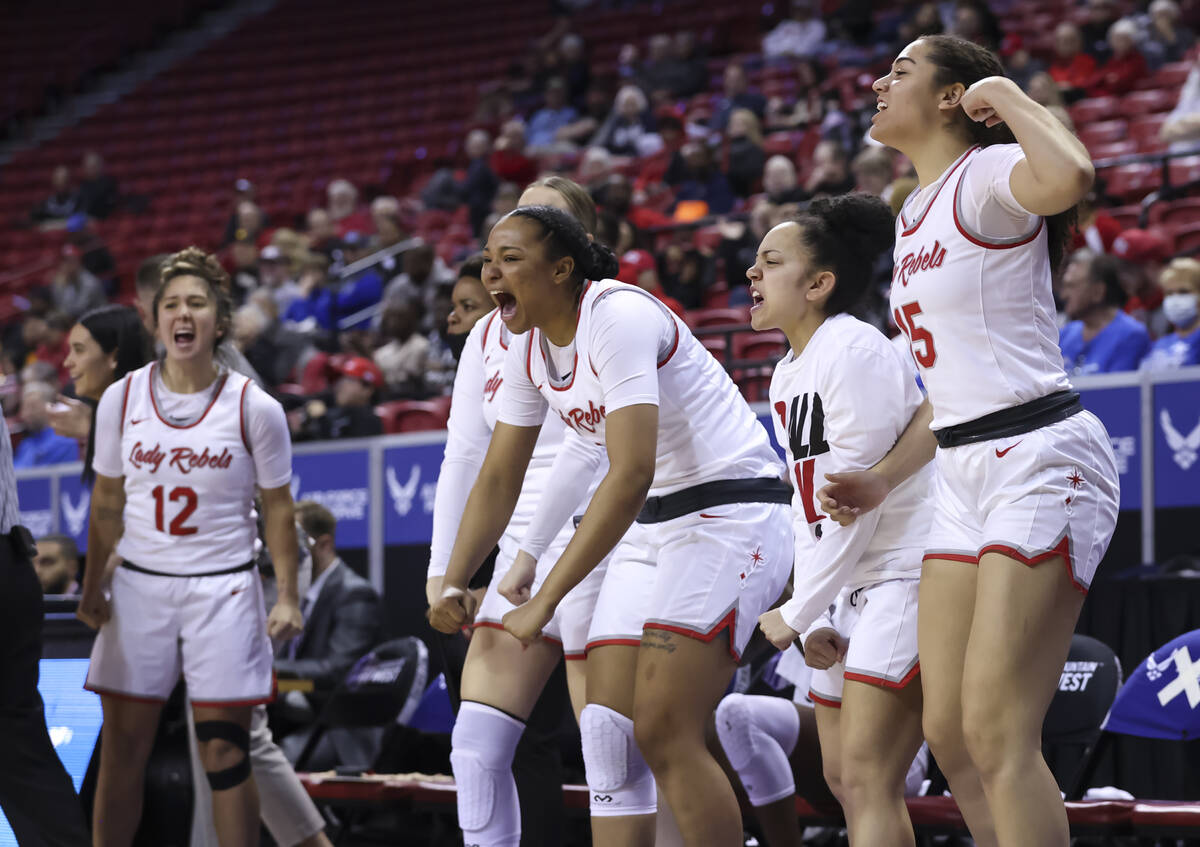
978	312
706	431
840	406
496	341
189	488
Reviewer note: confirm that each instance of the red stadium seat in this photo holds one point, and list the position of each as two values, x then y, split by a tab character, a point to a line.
1148	102
702	318
1145	131
412	415
1126	216
759	345
1184	170
1187	237
1094	110
1176	213
1132	182
1103	133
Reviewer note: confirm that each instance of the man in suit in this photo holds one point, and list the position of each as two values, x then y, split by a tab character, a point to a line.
342	621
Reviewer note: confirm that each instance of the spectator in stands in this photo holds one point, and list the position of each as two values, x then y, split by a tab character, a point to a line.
686	274
509	161
780	183
423	273
41	444
831	170
746	156
1073	69
735	95
1182	127
313	311
46	342
470	298
98	193
689	72
342	622
695	178
800	36
402	358
555	114
595	110
74	288
343	208
1166	38
639	268
873	170
275	277
1101	15
243	268
94	253
653	73
62	201
575	68
444	347
1043	89
1100	337
926	20
1095	228
974	21
1180	282
246	224
352	414
322	232
1125	66
479	186
362	289
1143	253
243	192
629	126
1019	63
57	564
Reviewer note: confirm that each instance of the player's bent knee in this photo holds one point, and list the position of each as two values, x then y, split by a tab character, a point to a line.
619	780
238	737
482	745
758	734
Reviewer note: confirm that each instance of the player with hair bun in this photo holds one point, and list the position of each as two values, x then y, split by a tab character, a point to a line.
1026	486
692	565
181	447
841	397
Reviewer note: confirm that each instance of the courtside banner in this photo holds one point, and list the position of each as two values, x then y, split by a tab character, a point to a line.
1120	411
338	480
1176	444
410	481
74	506
1161	699
37	513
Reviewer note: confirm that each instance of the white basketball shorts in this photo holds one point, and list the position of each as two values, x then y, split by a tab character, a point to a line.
696	575
880	622
1050	492
572	618
213	629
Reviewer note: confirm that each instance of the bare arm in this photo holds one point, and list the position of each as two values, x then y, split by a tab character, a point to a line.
279	529
105	526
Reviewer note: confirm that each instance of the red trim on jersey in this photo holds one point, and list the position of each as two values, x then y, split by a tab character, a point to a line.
216	393
952	557
529	356
880	681
487	327
125	400
500	626
670	316
575	657
121	695
1063	549
989	245
674	346
242	417
614	642
932	200
821	701
726	622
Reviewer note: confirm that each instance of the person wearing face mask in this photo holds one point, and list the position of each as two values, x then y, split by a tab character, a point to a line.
1180	282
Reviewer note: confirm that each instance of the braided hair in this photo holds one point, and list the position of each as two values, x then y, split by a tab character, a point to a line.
564	236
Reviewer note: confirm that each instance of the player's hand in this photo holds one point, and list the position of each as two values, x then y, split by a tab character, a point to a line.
776	629
70	418
94	609
517	585
979	101
285	621
825	648
525	623
848	495
454	609
433	590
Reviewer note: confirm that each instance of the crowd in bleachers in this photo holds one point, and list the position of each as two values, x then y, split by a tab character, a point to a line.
692	149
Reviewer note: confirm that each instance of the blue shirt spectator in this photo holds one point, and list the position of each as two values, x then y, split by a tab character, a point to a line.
1179	348
41	444
553	116
1174	351
1100	337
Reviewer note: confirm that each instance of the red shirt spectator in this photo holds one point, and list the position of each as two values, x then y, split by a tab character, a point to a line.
1126	66
639	268
1072	68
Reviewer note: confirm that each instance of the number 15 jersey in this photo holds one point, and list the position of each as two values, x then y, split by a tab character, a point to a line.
971	288
191	463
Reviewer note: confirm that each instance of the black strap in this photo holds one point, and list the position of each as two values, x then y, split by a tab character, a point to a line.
235	569
706	495
235	734
1016	420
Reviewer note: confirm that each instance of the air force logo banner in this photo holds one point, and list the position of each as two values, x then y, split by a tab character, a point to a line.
1177	445
410	482
1161	699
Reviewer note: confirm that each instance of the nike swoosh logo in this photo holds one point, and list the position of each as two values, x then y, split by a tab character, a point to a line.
709	516
135	421
1000	454
235	591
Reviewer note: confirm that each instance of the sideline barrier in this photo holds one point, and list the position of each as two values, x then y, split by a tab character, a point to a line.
381	489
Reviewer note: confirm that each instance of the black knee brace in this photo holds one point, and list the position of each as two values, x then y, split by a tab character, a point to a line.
233	776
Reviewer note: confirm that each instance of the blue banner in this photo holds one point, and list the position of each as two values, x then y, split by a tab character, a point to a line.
410	481
1120	410
339	482
74	506
1161	699
1176	444
37	513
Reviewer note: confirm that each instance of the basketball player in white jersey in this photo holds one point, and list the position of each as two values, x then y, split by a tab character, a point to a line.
180	448
711	547
1026	487
841	398
502	679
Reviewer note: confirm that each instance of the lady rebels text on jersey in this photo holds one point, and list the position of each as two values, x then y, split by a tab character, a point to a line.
190	483
840	406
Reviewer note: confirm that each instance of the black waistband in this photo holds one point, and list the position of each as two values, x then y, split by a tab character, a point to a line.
1016	420
245	566
709	494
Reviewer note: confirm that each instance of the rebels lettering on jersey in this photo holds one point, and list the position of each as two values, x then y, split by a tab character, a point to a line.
977	310
584	421
185	459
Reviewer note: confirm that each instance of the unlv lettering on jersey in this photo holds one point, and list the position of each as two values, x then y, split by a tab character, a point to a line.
914	263
794	424
584	421
185	459
152	457
492	386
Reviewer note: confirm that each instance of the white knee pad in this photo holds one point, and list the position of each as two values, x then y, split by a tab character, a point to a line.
758	734
619	780
482	746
